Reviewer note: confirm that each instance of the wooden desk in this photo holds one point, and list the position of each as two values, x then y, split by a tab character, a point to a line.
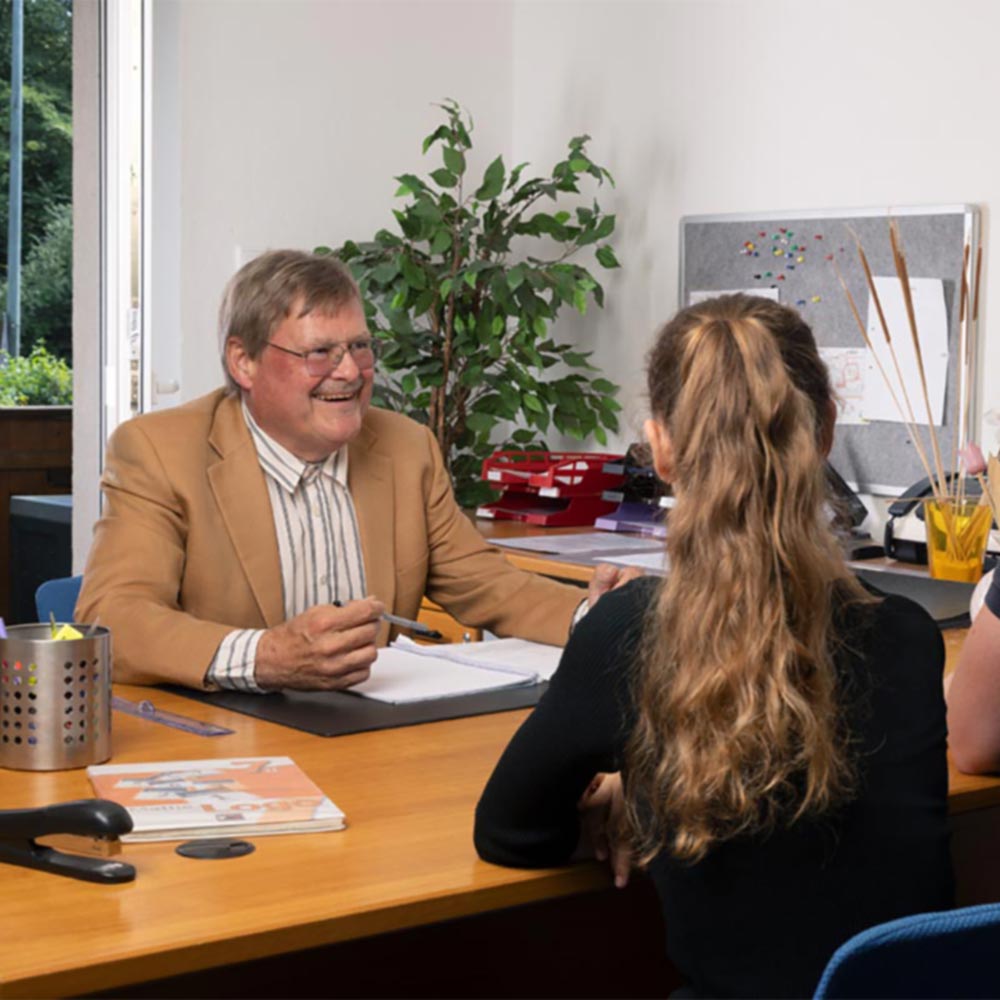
406	861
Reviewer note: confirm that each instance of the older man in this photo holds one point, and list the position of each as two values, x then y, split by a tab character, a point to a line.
252	538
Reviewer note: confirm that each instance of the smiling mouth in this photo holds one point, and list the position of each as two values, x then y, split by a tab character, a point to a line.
336	395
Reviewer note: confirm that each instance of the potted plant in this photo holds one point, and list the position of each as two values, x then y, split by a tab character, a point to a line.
464	308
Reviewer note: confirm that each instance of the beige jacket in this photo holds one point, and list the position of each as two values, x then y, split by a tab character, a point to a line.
186	551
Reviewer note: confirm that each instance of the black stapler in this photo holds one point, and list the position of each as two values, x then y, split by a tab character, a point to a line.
96	818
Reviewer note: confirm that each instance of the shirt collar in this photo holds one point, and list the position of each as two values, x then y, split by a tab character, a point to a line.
286	469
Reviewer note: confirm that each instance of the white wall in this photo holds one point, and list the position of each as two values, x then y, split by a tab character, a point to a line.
701	106
295	115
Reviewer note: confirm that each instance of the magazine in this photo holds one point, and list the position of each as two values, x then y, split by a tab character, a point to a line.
192	799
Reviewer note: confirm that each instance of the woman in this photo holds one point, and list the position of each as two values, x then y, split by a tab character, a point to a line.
780	729
974	690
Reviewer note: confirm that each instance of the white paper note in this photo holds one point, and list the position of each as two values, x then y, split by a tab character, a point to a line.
847	367
583	543
932	326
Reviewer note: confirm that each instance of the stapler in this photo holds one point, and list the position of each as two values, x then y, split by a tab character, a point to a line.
96	818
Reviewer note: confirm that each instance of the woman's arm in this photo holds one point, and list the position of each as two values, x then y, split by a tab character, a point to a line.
973	693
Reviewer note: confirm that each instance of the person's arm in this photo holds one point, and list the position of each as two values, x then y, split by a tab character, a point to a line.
973	692
132	585
477	585
528	815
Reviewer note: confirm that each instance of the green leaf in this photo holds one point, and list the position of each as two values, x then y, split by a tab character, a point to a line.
445	287
444	178
410	184
532	402
492	181
408	382
498	326
606	257
441	241
578	165
414	275
603	385
515	277
481	423
441	132
454	160
538	325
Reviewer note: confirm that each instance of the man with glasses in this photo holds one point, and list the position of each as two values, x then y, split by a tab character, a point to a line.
253	538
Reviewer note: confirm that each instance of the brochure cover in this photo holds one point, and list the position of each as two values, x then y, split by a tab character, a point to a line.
189	799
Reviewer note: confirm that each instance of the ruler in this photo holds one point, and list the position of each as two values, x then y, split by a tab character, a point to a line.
145	709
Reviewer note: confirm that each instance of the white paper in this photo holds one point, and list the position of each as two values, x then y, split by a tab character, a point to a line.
847	367
765	293
579	544
652	562
400	677
932	327
534	660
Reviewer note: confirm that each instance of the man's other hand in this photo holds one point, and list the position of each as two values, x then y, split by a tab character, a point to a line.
607	577
324	649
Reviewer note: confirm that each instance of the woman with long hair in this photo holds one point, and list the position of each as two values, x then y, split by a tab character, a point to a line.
779	728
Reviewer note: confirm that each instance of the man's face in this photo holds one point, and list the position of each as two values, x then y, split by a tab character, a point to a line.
311	417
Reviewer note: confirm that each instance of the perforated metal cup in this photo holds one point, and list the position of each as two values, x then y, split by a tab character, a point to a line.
55	699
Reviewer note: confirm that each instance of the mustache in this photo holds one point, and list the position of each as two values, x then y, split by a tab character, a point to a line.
337	387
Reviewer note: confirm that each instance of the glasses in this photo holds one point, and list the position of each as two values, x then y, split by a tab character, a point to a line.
323	360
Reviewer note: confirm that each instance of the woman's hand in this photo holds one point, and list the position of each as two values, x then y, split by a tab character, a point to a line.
604	829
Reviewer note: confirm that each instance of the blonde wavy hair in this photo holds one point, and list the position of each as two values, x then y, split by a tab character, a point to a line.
739	727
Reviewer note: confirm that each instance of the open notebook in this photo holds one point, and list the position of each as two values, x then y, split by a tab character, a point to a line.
407	672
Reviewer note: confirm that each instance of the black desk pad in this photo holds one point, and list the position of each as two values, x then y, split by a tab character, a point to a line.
337	713
946	601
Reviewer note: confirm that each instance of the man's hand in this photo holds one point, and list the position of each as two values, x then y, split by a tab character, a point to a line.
607	577
603	826
324	649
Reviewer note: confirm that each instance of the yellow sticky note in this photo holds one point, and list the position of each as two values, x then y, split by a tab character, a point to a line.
67	632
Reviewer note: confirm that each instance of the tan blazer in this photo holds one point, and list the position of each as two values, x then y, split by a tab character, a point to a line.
185	550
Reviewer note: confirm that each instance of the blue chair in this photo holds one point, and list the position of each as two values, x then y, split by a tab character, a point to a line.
955	953
58	597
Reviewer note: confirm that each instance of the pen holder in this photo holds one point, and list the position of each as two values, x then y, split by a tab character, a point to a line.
55	699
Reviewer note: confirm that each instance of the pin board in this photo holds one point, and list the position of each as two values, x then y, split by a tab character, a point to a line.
790	257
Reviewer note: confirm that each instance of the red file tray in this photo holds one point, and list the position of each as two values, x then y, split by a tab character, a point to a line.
531	508
552	473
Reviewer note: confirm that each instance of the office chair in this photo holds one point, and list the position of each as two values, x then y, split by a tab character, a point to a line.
58	597
955	953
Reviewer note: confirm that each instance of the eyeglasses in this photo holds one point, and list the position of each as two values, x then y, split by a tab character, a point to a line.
321	361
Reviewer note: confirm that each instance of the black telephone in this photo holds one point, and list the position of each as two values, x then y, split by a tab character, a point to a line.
905	549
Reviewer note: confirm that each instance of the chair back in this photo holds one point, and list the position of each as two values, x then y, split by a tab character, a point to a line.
955	953
58	597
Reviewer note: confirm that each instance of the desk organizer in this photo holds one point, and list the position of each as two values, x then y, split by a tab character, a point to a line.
641	502
548	487
55	699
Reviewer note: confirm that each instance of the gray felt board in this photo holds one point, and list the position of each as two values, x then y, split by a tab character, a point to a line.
791	252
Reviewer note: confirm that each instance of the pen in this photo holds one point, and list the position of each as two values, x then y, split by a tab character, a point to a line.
417	627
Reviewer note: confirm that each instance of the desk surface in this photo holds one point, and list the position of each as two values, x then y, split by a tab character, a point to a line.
405	860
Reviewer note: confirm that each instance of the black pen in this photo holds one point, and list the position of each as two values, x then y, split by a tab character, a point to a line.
419	628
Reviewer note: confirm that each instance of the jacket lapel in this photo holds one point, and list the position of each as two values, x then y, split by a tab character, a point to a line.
240	490
369	477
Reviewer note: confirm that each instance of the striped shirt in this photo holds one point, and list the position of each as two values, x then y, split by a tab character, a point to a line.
318	544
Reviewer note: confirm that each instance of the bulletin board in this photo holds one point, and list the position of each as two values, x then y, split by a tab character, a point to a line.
790	256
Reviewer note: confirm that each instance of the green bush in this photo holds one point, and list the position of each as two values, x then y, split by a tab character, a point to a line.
37	380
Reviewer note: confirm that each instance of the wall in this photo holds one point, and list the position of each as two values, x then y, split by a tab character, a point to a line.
296	116
701	106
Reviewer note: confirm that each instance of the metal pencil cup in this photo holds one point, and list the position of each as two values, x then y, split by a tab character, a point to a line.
55	699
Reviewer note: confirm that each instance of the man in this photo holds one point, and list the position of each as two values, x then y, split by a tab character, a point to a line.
251	539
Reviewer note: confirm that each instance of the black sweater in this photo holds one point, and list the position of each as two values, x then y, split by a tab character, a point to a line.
758	916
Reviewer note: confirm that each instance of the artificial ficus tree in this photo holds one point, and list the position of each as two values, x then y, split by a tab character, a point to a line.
464	302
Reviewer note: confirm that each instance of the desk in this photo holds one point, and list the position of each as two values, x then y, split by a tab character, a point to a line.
406	861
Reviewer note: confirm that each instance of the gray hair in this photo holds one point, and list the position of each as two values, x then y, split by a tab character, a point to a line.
264	291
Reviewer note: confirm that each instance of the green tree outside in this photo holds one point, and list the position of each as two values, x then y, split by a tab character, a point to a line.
46	275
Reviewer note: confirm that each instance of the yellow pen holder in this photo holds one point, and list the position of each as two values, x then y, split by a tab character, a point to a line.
957	533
